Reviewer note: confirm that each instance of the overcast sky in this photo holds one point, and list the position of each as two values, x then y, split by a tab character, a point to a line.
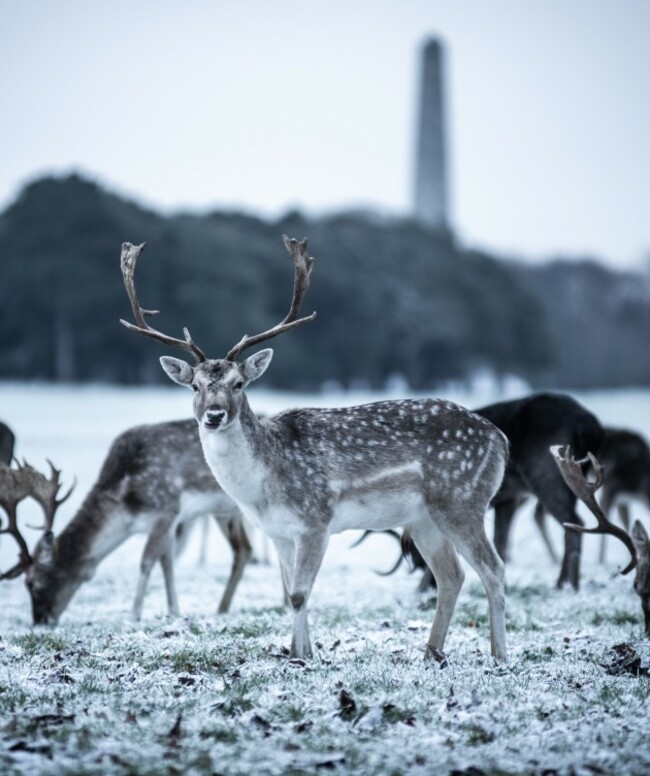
267	105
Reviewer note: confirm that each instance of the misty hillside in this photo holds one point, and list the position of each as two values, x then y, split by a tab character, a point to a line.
391	298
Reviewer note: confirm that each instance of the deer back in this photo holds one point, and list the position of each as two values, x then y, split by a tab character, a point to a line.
532	425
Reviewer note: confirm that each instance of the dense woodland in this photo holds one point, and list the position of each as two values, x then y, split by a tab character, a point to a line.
392	298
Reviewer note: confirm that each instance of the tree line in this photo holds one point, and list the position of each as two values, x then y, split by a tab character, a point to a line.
392	298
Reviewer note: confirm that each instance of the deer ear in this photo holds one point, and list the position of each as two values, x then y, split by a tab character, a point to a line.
256	365
177	370
640	537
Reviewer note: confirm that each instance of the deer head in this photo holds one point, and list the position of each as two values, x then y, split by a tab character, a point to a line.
219	384
39	567
642	579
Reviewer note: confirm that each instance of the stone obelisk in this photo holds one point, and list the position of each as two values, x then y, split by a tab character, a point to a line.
431	196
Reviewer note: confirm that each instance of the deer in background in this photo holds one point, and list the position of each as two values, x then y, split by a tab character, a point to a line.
428	465
626	458
154	478
572	472
532	424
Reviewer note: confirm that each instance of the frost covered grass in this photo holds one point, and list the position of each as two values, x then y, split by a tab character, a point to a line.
208	694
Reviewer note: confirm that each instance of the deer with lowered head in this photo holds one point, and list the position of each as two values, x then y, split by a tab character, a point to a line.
153	480
638	545
626	458
304	474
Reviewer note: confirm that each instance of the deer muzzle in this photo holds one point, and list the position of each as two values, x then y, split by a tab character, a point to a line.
214	417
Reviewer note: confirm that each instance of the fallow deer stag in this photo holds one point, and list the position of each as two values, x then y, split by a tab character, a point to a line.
573	474
532	424
637	544
626	458
429	465
154	479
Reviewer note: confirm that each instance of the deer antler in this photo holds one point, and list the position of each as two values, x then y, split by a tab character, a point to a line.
302	264
585	490
45	491
14	487
128	259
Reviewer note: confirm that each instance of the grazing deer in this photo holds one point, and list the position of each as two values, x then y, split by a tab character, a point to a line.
7	441
637	544
642	580
304	474
626	458
154	478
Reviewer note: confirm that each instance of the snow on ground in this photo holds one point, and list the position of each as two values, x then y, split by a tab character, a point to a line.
208	694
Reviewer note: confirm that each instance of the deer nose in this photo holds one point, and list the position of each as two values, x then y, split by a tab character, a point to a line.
213	417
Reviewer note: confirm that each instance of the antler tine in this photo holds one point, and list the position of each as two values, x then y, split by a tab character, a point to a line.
45	491
585	490
128	259
302	264
13	489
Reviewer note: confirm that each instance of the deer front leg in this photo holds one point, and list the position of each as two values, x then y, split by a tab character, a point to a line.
570	569
307	552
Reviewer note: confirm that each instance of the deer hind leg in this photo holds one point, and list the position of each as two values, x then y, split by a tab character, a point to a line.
159	541
483	558
234	531
443	562
167	565
301	561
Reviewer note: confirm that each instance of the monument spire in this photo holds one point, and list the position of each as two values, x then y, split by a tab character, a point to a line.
431	195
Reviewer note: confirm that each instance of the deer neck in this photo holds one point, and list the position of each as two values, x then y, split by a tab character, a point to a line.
87	539
237	456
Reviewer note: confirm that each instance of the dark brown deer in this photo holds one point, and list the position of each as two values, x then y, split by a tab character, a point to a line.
428	465
154	479
533	424
626	458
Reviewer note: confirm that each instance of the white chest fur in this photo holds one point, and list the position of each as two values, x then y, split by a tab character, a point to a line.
241	476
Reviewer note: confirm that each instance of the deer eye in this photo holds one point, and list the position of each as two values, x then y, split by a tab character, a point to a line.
195	388
238	385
